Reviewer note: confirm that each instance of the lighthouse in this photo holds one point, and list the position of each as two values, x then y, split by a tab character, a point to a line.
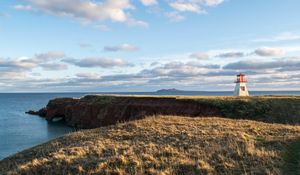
240	87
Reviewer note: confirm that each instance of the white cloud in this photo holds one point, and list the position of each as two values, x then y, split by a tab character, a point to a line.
270	52
212	2
175	16
23	7
51	55
88	75
93	11
97	62
148	2
174	73
200	56
12	76
279	65
54	66
286	36
195	6
18	64
43	60
186	7
123	47
85	10
231	55
137	23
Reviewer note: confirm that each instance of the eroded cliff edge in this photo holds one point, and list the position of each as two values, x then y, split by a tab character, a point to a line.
94	111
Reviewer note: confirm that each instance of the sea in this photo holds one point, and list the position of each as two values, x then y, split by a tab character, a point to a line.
19	131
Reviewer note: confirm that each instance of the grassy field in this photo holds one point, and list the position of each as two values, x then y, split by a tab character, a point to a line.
271	109
167	145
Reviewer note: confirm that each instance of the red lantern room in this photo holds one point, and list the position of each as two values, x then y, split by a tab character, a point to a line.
241	78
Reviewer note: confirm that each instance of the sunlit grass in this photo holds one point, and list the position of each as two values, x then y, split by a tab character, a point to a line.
163	145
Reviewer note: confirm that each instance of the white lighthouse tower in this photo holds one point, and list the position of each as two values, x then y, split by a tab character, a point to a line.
240	87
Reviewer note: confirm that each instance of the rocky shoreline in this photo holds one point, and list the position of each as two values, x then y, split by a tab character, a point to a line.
94	111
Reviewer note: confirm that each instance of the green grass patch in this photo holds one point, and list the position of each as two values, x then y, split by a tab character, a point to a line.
292	158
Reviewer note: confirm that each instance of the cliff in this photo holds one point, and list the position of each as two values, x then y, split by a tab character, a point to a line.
101	110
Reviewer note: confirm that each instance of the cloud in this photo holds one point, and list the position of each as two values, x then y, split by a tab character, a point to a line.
86	11
174	16
54	66
200	56
23	7
97	62
137	23
170	74
148	2
122	47
89	75
269	52
179	69
231	55
186	7
286	36
212	2
44	60
9	76
286	65
14	65
49	56
195	6
205	56
92	11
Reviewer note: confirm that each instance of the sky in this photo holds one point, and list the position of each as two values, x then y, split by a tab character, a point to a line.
146	45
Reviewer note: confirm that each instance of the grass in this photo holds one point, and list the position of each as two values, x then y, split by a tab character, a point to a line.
166	145
292	158
272	109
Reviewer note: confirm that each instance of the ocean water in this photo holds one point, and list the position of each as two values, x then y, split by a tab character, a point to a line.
19	131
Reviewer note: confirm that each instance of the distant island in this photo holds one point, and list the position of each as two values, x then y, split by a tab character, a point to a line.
169	90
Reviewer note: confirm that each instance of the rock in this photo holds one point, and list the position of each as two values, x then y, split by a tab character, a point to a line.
42	112
57	119
94	111
31	112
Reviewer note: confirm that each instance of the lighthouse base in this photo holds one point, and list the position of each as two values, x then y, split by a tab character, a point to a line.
241	90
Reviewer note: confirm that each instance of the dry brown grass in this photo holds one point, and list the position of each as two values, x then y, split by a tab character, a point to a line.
162	145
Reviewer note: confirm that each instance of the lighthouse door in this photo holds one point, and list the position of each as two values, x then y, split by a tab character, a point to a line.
243	88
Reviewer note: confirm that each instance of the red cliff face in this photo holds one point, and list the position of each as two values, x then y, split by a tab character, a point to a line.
96	111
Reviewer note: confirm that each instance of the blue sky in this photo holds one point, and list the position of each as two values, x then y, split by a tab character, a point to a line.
145	45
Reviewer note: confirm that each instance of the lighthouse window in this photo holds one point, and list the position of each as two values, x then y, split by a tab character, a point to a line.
243	88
